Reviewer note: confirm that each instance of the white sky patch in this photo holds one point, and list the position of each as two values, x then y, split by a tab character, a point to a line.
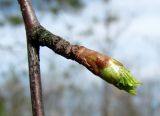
133	45
146	25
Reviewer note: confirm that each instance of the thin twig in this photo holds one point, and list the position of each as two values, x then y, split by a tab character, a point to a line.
29	17
31	22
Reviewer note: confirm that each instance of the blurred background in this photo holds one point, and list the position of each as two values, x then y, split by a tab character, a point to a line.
128	30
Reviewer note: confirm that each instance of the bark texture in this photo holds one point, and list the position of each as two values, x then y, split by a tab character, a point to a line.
92	60
31	22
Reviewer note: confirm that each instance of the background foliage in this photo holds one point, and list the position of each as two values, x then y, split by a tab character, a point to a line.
126	30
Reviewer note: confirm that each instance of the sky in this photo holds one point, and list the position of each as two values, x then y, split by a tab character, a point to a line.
136	46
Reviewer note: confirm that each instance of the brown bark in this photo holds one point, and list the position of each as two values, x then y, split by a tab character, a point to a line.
31	22
29	17
92	60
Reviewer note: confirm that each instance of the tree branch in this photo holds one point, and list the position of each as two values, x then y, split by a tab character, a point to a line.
101	65
31	22
29	17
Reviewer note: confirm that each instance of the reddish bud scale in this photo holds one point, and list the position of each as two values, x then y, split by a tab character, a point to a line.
107	68
91	59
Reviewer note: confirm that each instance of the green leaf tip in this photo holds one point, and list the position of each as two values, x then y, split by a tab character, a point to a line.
116	74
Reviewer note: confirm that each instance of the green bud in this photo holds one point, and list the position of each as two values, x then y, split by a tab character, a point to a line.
108	69
116	74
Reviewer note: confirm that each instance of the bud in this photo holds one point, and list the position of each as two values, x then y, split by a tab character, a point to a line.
116	74
108	69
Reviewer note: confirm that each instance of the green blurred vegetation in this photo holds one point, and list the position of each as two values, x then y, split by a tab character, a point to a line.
6	3
54	6
2	106
14	20
1	23
13	98
72	3
54	10
111	19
